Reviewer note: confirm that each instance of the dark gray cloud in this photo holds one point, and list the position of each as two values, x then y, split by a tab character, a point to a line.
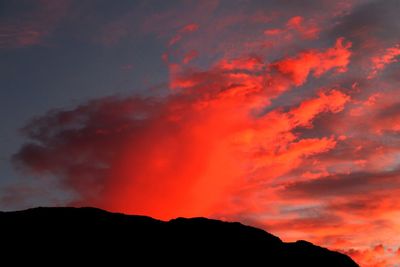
389	111
352	184
27	23
78	146
371	22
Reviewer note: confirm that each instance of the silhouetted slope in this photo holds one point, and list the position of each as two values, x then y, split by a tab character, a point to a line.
95	236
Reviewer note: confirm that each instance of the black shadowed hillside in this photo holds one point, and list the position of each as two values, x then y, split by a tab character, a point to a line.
96	235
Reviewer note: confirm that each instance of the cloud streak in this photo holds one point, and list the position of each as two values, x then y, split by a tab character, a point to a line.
32	24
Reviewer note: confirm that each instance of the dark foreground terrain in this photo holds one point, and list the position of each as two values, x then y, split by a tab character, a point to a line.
75	236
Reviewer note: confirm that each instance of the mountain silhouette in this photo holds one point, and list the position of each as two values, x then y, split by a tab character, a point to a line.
77	235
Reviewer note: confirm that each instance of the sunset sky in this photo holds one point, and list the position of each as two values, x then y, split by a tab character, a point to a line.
281	114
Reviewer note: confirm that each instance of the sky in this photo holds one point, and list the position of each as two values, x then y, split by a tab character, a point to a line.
280	114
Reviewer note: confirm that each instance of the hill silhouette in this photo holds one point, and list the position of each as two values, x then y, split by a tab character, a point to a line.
88	234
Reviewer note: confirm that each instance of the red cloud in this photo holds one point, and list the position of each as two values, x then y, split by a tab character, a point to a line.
250	64
309	31
273	31
333	101
316	62
270	130
379	62
185	30
280	76
190	28
189	56
202	140
296	26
